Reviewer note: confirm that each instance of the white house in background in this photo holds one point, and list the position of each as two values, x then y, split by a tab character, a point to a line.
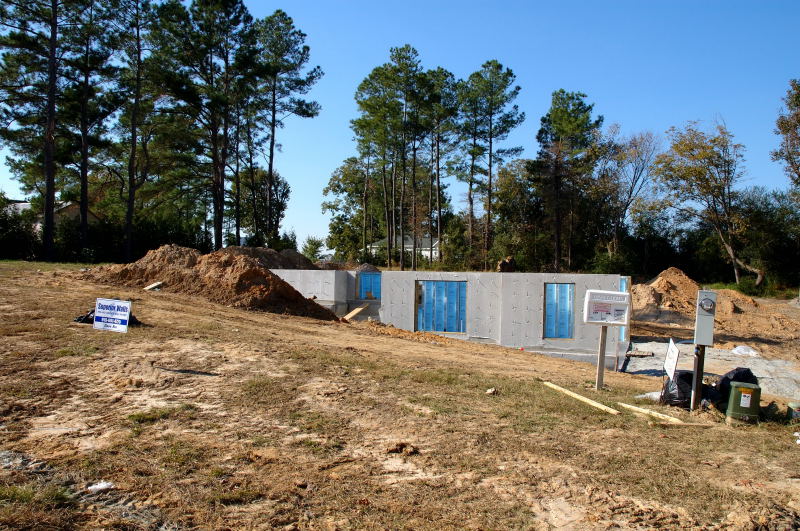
63	210
423	246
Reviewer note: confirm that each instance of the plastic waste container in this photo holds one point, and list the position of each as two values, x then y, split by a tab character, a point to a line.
744	403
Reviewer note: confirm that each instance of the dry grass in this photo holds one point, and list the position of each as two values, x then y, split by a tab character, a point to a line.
223	419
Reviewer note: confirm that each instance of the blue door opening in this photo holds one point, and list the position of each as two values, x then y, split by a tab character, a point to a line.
369	286
559	303
442	306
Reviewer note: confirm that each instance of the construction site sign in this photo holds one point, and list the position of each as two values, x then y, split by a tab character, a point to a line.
607	308
112	315
671	361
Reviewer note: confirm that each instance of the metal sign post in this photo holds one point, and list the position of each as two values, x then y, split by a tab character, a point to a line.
703	337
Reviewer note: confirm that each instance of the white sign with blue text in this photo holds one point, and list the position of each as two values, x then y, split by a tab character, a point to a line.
111	314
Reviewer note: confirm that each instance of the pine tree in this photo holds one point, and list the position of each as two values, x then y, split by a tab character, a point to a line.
282	58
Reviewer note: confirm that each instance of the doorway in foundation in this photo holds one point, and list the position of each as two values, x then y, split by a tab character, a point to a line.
441	306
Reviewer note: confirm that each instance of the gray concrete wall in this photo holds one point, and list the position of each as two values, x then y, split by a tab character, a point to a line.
523	317
522	314
505	308
327	286
502	308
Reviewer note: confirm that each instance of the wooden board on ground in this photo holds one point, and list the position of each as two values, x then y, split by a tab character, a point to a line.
583	399
650	413
356	311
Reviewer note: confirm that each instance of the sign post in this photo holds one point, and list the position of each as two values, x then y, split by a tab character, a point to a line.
112	315
605	308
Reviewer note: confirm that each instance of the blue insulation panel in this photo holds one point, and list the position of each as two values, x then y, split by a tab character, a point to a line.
559	306
623	286
369	285
442	306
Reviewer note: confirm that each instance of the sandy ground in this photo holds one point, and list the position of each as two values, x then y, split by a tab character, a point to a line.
219	418
777	377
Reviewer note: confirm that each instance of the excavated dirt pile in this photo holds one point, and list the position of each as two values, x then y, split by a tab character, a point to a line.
671	297
272	259
367	268
234	276
669	301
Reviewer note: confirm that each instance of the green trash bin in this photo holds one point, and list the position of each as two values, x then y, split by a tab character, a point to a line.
744	403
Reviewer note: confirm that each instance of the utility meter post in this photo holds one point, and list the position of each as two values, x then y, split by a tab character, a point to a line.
703	337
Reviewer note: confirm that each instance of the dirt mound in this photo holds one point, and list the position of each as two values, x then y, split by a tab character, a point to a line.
730	302
272	259
669	300
422	337
330	265
671	296
367	268
235	276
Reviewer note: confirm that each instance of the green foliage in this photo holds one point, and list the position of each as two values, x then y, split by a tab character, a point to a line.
787	126
147	134
312	248
704	168
610	263
17	236
562	173
286	240
51	496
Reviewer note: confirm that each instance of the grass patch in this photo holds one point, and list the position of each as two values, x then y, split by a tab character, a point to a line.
151	416
183	457
236	497
51	496
16	390
747	287
320	447
24	265
316	421
264	391
86	350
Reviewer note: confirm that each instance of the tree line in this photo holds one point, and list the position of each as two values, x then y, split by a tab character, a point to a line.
156	114
592	199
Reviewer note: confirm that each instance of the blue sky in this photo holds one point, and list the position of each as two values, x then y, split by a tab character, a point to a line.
646	65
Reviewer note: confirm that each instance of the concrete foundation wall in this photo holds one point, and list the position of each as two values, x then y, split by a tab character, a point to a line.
502	308
505	308
522	315
328	287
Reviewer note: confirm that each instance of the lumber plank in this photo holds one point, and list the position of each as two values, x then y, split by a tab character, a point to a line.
355	311
153	286
583	399
681	425
650	413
